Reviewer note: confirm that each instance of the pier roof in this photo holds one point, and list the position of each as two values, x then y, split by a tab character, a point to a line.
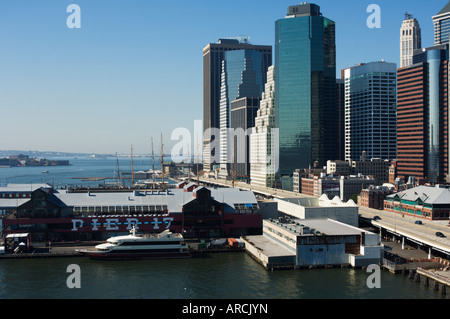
174	199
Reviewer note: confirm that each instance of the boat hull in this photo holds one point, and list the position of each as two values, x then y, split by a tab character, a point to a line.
135	256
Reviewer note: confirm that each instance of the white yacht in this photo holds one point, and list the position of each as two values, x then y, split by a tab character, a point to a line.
141	246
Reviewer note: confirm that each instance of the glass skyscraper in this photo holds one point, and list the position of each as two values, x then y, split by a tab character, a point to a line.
441	23
243	75
305	60
213	55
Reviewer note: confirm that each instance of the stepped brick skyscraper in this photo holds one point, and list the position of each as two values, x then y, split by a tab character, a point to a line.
410	39
213	55
422	116
371	111
305	72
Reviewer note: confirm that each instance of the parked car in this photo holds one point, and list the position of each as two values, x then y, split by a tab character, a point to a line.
419	222
439	234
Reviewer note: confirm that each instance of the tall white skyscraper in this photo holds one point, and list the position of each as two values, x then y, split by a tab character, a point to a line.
410	40
264	159
371	111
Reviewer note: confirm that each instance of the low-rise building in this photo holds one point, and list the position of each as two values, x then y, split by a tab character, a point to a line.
55	215
319	208
342	186
319	243
374	196
428	202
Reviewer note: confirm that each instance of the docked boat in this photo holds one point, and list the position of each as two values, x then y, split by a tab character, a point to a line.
140	246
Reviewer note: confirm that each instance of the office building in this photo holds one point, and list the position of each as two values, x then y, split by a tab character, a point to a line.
370	111
423	116
243	114
213	55
441	23
410	39
340	105
297	243
305	73
432	203
243	76
264	139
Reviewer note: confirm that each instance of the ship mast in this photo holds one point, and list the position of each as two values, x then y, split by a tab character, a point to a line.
118	171
153	167
198	174
162	163
132	172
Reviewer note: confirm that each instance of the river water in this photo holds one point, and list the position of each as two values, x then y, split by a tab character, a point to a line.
218	276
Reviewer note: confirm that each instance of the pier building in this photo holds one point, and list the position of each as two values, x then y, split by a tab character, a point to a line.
196	212
295	243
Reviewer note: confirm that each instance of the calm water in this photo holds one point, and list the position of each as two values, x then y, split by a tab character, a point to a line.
62	176
220	276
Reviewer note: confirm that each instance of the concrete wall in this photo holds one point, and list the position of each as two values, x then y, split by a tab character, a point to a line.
321	255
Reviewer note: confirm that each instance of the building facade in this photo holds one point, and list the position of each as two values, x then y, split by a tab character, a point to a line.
410	40
371	111
243	76
441	23
374	196
432	203
213	55
319	243
56	215
423	116
305	60
242	121
264	139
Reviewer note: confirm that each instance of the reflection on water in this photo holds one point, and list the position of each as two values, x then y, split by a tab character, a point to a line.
220	276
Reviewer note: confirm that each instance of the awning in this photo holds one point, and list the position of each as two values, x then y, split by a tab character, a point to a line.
17	235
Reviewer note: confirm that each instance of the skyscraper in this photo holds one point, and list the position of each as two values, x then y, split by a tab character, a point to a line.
305	67
441	23
213	55
243	75
423	116
370	111
264	139
410	39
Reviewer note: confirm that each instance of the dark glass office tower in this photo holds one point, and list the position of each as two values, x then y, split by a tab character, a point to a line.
213	55
305	60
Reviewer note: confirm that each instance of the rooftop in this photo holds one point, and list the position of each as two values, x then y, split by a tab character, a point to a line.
427	194
445	9
174	199
322	201
328	227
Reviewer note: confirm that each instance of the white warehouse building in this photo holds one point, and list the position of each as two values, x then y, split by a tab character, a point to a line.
320	208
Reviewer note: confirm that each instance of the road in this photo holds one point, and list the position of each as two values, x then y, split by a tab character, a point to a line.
424	234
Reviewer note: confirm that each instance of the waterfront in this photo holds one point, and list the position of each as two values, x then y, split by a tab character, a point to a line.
80	167
217	276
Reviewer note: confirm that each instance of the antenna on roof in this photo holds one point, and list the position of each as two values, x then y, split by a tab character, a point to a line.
408	16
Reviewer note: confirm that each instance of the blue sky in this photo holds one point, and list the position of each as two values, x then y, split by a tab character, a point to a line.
134	69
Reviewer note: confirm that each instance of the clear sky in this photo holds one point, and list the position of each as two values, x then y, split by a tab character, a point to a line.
134	68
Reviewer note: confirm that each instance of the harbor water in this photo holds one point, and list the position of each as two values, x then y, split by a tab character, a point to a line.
215	276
